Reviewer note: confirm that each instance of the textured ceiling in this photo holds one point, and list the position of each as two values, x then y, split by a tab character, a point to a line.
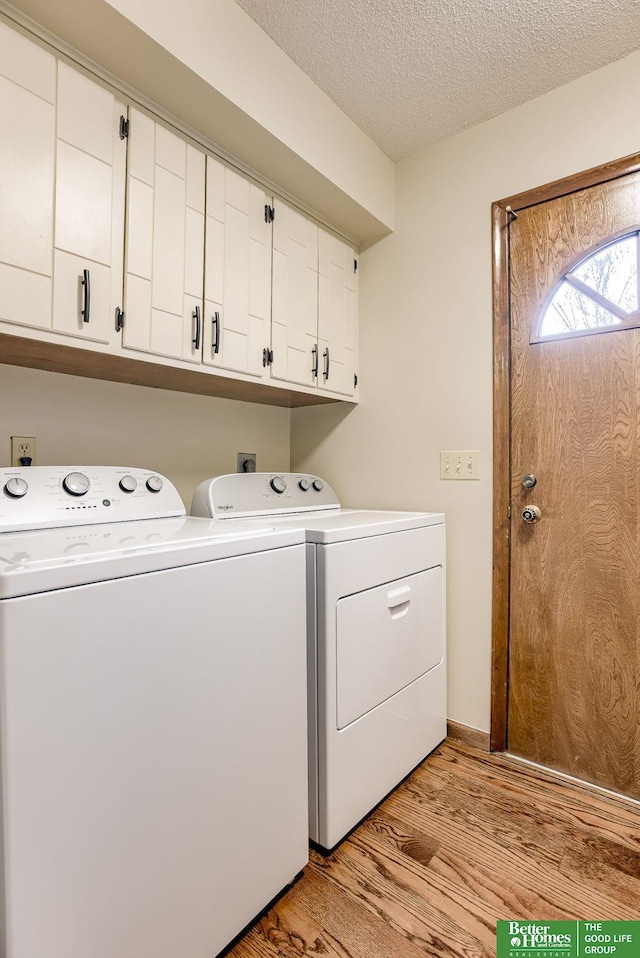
412	72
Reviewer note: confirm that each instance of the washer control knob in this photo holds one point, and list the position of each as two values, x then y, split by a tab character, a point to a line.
76	484
278	484
154	483
318	485
128	484
304	484
16	488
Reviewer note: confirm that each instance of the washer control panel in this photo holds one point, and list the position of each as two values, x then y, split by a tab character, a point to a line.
41	497
262	494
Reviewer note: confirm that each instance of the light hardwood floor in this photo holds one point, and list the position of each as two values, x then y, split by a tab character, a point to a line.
467	839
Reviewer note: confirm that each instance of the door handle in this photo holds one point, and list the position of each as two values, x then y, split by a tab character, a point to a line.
326	365
397	596
531	514
314	364
398	601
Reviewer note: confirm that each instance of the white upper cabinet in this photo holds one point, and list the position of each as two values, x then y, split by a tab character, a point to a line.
337	315
60	258
237	272
27	158
121	235
164	268
89	208
314	305
294	302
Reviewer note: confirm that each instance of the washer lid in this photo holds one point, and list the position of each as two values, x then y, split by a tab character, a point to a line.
348	524
51	559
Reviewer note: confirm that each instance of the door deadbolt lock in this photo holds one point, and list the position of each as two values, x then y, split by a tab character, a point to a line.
529	481
531	514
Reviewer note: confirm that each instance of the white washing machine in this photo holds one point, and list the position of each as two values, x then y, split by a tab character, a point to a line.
375	635
152	718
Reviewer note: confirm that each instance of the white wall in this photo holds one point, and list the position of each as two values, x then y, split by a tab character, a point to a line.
426	328
89	422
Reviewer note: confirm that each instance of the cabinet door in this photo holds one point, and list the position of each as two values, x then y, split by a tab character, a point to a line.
27	157
164	242
89	206
337	315
294	307
237	272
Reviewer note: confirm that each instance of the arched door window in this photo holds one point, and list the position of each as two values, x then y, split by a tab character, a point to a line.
598	294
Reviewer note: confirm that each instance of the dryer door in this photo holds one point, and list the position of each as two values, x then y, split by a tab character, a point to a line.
386	638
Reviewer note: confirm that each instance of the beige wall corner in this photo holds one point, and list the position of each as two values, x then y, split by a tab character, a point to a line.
209	64
426	329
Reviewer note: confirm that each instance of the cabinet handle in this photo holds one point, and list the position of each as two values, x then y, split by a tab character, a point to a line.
314	366
86	296
215	333
326	364
196	335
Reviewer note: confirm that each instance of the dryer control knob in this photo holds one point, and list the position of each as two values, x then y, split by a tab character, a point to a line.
154	483
128	484
278	484
16	488
76	484
304	484
318	485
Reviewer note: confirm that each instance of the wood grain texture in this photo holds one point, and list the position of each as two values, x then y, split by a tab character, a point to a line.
501	411
468	736
469	838
501	479
75	361
570	184
575	416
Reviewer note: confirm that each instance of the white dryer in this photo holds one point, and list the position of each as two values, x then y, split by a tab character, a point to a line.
375	636
152	718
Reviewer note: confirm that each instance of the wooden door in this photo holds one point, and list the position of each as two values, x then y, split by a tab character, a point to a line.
337	314
574	652
237	272
164	275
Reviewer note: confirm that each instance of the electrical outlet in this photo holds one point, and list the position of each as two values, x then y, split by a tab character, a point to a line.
246	462
459	464
23	447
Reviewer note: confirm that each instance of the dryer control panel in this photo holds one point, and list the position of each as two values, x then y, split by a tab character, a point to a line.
42	497
262	494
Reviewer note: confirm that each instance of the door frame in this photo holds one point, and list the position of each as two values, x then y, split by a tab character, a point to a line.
502	212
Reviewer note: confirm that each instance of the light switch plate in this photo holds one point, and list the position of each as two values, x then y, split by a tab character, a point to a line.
459	464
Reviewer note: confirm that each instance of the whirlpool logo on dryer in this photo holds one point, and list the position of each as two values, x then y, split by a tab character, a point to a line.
225	508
